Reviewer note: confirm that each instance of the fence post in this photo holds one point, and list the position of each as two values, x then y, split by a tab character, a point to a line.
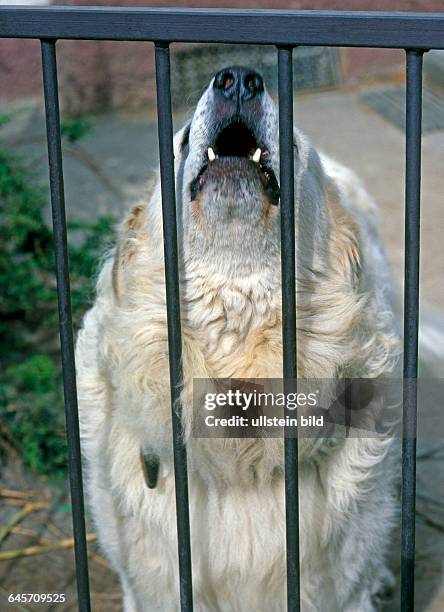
411	323
167	177
288	265
50	87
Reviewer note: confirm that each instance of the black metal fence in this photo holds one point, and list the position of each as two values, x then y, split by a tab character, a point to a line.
414	32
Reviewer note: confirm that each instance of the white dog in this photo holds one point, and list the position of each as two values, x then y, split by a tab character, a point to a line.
227	161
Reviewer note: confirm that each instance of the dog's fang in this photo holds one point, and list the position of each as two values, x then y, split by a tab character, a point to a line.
257	156
211	154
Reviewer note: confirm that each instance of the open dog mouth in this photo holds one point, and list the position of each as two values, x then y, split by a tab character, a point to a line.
237	141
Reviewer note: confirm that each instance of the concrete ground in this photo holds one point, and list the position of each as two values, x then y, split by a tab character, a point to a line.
108	171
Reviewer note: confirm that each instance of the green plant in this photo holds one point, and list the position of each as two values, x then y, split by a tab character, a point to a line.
31	399
75	129
32	411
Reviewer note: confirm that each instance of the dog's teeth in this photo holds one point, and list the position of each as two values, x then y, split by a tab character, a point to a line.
211	154
257	156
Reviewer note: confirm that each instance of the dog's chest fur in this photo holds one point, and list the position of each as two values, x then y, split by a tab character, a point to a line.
234	323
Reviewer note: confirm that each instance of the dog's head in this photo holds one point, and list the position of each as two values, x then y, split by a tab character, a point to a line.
229	191
227	168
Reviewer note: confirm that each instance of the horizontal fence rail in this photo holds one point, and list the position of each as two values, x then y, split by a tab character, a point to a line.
334	28
414	32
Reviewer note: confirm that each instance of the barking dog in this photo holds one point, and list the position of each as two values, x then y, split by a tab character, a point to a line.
227	164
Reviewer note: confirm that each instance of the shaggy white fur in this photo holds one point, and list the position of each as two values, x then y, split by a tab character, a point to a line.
231	322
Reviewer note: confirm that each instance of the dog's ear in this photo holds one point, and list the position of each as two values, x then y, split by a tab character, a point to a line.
181	139
344	240
131	235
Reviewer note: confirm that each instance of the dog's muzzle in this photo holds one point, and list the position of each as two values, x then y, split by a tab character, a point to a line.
235	145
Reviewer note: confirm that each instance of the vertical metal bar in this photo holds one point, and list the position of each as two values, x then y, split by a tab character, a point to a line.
166	155
288	258
411	322
64	302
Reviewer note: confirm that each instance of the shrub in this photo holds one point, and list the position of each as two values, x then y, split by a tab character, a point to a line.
31	397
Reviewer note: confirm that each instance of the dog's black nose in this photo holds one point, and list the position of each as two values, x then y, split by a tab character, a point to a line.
237	83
